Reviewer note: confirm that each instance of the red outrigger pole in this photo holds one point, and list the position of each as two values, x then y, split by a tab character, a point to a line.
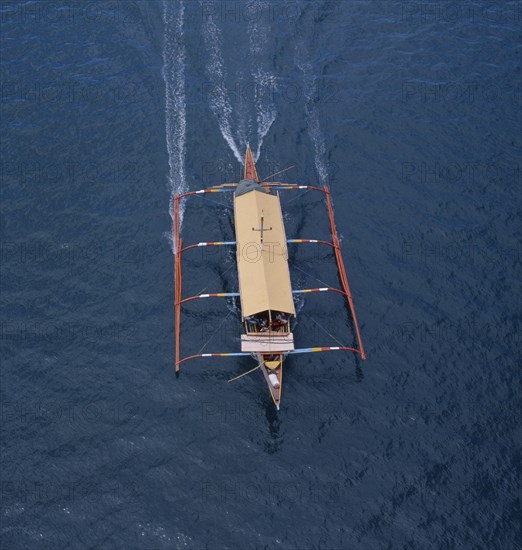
342	270
250	172
177	279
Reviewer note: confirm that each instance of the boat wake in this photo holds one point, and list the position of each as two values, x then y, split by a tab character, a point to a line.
175	110
218	100
237	125
258	33
312	114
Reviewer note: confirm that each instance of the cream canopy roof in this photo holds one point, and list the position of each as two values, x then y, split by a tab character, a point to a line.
264	276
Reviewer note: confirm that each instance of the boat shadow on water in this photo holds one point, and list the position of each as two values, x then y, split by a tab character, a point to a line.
274	443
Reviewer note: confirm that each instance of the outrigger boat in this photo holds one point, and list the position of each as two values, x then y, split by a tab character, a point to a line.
265	289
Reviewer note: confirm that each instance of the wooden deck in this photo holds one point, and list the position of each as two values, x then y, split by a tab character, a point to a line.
267	342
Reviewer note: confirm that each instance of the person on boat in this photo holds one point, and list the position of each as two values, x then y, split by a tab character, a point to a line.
252	320
280	320
263	322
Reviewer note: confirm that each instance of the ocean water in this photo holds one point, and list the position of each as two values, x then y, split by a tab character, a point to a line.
411	112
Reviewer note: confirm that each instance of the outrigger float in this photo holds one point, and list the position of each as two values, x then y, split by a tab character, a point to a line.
265	290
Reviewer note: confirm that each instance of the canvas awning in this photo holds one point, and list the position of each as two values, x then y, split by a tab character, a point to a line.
264	276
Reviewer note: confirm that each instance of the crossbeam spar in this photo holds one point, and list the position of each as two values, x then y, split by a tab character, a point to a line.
234	243
245	353
234	294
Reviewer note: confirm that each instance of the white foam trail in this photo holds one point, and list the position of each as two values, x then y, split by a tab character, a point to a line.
244	117
174	57
259	34
219	103
312	115
266	113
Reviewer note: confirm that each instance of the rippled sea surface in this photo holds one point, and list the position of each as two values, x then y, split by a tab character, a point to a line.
411	112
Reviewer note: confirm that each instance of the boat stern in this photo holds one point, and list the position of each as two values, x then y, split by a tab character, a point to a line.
272	367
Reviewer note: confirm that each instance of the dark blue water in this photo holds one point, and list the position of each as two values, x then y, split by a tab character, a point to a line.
411	112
